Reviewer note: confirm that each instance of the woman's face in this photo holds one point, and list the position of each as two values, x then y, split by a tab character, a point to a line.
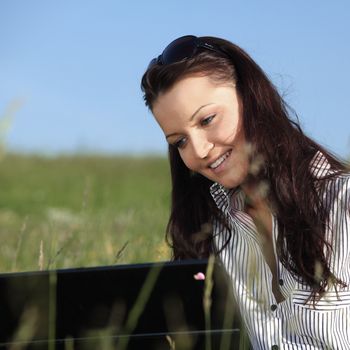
203	119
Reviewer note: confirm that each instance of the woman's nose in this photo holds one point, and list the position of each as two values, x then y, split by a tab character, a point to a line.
201	146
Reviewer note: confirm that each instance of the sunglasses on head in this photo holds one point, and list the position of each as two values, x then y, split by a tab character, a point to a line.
182	48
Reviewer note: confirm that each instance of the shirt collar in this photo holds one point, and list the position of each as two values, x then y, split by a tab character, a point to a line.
319	166
225	198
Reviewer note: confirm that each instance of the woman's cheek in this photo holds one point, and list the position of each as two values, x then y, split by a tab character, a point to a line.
226	133
186	159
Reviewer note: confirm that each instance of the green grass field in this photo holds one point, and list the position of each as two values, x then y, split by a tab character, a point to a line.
72	211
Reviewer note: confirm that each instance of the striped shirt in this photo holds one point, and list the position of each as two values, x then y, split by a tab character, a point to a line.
293	323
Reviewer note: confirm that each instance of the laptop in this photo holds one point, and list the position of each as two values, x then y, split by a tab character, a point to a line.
169	305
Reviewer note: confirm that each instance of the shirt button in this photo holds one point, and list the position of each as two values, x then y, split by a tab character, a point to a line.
280	281
273	307
274	347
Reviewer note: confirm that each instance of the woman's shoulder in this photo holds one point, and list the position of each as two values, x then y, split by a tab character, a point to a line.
339	226
338	188
321	168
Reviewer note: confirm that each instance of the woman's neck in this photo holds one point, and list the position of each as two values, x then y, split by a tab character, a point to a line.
257	206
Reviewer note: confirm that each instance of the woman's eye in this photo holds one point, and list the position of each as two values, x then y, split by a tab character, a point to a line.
207	120
180	143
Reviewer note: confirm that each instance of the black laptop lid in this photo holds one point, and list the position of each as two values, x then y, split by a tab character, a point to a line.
129	305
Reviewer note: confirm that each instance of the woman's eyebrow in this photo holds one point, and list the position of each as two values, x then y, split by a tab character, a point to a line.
193	115
173	134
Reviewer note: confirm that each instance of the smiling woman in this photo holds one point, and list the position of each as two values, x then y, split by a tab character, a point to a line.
249	186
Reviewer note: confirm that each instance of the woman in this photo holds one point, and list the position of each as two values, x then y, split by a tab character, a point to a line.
249	186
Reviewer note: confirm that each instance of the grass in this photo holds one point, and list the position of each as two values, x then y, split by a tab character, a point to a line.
72	211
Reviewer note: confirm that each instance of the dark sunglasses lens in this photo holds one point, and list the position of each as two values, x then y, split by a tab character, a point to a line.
179	49
152	63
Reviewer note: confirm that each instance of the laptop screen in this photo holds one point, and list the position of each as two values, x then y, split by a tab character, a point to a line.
125	306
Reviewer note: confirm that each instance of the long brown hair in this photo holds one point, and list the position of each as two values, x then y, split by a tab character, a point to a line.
273	130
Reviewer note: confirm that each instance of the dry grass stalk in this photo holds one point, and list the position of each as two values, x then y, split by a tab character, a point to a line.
207	301
19	243
41	256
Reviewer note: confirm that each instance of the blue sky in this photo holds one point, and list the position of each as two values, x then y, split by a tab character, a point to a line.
70	70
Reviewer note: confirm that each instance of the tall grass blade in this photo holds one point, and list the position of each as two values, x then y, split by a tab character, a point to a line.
207	301
52	309
19	243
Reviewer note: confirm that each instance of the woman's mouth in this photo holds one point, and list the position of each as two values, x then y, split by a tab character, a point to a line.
220	160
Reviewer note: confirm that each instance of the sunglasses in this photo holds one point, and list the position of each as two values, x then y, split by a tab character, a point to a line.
182	48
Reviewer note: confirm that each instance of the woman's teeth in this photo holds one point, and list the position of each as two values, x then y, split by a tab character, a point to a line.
220	160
